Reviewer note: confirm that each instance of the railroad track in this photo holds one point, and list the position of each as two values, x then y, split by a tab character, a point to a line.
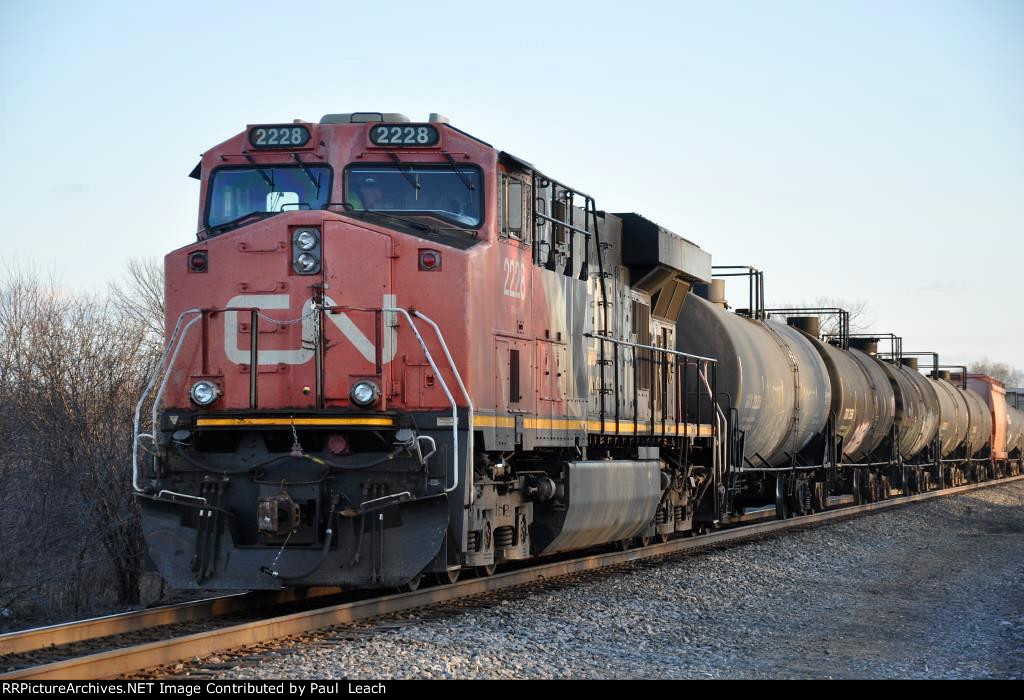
17	648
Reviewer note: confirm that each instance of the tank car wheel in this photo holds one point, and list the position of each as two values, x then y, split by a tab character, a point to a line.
412	584
801	502
486	570
447	577
781	499
643	541
913	483
857	488
820	500
664	537
870	488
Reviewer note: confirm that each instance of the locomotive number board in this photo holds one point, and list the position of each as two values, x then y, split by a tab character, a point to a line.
278	136
404	135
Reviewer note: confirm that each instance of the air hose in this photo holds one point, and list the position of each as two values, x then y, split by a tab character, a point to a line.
323	551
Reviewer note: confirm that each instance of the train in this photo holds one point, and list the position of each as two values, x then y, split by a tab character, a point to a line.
394	351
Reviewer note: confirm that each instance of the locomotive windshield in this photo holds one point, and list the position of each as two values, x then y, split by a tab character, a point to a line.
236	194
452	193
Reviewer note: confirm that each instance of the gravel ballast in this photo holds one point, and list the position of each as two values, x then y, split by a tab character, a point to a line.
933	590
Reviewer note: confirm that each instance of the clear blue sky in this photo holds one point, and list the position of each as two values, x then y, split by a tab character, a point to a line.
863	150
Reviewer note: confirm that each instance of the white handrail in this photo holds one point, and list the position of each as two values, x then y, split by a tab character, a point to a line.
444	387
469	403
149	387
162	372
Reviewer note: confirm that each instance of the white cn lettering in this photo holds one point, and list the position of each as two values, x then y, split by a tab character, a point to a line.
305	353
363	344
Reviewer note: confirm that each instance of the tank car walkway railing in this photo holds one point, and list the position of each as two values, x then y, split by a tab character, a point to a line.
755	287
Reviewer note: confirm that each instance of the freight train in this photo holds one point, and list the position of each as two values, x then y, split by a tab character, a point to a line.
395	351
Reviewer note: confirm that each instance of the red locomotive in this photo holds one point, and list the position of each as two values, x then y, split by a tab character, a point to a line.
394	350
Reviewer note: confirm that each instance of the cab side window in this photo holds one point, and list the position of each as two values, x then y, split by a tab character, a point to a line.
512	208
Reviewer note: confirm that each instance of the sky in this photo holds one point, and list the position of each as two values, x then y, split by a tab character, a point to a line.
866	151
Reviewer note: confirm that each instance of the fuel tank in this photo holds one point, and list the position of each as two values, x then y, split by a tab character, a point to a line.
769	372
953	415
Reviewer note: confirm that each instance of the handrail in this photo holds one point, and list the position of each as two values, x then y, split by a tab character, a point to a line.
469	404
559	222
669	351
149	387
444	387
684	359
720	453
163	368
162	372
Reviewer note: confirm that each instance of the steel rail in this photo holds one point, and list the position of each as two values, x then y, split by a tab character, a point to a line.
133	659
33	639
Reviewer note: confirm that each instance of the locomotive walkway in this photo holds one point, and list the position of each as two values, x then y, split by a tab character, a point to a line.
133	656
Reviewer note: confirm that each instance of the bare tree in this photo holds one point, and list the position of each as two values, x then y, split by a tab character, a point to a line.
1010	376
860	320
71	369
140	296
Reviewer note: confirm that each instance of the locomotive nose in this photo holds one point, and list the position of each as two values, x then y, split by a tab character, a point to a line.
253	346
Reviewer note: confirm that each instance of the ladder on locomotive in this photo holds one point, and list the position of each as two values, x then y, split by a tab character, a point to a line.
558	209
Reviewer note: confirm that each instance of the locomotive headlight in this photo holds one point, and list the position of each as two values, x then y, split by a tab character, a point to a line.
204	393
306	239
306	263
364	393
306	250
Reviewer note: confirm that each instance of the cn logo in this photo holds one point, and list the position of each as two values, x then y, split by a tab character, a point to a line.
304	353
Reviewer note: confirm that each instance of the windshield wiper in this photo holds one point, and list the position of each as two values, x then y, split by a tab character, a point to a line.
462	176
236	222
309	173
406	169
412	223
269	179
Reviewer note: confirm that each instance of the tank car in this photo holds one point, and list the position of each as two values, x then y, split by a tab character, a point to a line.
1003	440
394	350
775	388
813	415
916	395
